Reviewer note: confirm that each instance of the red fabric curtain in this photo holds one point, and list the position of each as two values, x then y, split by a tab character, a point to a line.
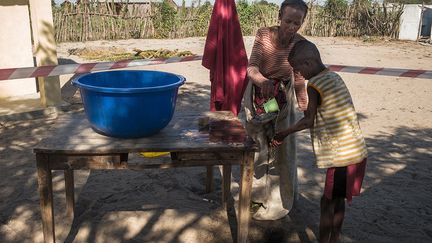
225	57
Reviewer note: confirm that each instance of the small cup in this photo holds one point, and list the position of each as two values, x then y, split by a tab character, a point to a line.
271	105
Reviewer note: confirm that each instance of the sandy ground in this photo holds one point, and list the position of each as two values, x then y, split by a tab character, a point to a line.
171	206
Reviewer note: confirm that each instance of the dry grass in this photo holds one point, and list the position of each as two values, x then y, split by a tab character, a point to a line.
116	53
161	53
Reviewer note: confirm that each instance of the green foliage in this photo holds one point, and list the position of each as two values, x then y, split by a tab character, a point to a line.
245	15
164	19
54	5
256	15
412	1
358	18
90	21
336	8
264	2
202	18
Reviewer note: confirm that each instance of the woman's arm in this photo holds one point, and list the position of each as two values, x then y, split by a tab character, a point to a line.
255	75
306	122
259	80
253	71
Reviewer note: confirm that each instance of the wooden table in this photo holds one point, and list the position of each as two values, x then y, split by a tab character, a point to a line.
200	139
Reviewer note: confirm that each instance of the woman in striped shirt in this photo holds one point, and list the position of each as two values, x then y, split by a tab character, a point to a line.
271	75
337	140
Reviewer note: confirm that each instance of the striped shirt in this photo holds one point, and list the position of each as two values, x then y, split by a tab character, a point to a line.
336	135
272	62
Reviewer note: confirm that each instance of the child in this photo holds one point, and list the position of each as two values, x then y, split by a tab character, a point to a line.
337	140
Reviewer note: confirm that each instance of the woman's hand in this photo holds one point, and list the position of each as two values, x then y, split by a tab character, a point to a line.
266	85
277	140
267	88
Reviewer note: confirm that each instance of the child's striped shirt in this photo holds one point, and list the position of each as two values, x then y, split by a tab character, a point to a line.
336	136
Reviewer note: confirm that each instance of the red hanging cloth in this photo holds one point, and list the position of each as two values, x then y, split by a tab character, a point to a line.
225	57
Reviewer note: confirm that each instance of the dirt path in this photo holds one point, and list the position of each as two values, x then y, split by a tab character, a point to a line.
171	206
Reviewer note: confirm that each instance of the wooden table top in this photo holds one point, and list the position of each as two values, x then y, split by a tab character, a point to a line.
203	132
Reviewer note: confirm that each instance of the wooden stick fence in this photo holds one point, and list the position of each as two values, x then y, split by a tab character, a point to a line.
92	20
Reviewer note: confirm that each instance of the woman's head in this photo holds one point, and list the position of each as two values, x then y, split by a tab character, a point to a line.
297	4
291	14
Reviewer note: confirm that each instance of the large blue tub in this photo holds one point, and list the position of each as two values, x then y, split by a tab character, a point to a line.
131	103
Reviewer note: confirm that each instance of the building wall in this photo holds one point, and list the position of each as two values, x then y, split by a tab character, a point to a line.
15	46
410	20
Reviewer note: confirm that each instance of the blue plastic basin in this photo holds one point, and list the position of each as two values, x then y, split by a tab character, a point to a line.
130	103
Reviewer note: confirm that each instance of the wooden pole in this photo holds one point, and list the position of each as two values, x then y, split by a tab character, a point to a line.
45	50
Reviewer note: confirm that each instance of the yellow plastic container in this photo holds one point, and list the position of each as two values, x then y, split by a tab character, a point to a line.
153	154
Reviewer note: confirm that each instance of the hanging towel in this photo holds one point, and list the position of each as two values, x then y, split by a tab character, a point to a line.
225	57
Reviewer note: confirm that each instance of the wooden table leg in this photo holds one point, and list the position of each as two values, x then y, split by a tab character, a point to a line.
70	195
124	157
46	197
245	196
209	179
226	184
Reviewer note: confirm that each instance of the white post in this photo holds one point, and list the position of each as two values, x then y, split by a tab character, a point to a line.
15	47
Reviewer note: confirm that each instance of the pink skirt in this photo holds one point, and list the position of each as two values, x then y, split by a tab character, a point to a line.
345	181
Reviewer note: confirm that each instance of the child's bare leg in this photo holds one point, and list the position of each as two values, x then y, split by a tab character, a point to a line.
326	219
338	217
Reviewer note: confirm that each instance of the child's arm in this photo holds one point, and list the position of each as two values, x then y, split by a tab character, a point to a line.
306	122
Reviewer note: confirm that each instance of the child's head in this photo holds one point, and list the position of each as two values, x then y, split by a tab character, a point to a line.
305	58
291	14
